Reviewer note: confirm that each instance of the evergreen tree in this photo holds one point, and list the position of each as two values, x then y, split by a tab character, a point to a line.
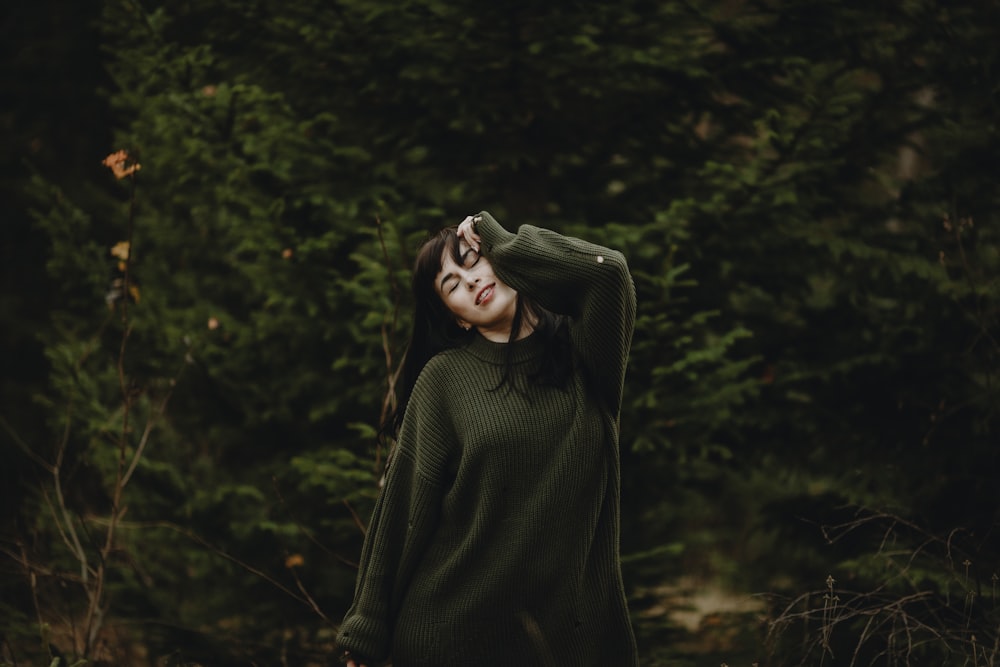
805	195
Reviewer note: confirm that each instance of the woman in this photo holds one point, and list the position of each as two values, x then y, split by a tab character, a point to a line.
495	538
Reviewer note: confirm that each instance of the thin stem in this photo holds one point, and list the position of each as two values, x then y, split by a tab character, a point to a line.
95	612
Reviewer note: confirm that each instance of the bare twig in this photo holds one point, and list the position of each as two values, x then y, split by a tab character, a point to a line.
309	536
152	421
305	593
389	323
357	520
907	623
191	535
94	617
24	447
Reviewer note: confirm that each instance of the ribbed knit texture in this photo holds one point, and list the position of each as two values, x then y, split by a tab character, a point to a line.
495	539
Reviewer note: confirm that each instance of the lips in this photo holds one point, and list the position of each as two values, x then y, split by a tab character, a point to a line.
485	294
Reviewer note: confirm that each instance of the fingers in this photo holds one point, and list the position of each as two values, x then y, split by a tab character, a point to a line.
467	231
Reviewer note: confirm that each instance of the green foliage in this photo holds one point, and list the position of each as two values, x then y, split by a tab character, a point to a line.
805	194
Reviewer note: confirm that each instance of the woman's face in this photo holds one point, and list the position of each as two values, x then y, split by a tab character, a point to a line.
474	295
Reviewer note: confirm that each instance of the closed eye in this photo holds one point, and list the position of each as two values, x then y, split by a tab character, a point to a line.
470	258
466	260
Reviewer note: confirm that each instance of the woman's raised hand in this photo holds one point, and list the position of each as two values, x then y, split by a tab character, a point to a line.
467	231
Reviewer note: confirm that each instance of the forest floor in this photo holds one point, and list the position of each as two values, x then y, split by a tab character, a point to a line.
692	622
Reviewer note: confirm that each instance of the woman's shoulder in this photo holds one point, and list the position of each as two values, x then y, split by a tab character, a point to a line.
441	367
441	381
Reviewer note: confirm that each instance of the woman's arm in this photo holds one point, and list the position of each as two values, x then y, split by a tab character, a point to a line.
589	283
406	515
367	628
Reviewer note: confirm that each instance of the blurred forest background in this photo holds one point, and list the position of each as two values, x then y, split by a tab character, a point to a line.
196	353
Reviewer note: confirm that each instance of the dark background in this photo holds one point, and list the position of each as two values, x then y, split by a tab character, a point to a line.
806	193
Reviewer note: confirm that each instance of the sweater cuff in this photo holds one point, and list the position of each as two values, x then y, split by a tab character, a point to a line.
366	639
491	233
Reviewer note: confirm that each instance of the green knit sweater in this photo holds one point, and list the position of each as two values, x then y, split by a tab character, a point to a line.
495	538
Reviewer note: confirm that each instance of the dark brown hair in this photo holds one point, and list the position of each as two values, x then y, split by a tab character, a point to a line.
435	329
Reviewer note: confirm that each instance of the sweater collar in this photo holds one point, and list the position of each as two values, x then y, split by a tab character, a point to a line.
526	349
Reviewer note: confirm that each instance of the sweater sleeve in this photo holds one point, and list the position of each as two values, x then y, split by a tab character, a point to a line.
405	516
588	283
